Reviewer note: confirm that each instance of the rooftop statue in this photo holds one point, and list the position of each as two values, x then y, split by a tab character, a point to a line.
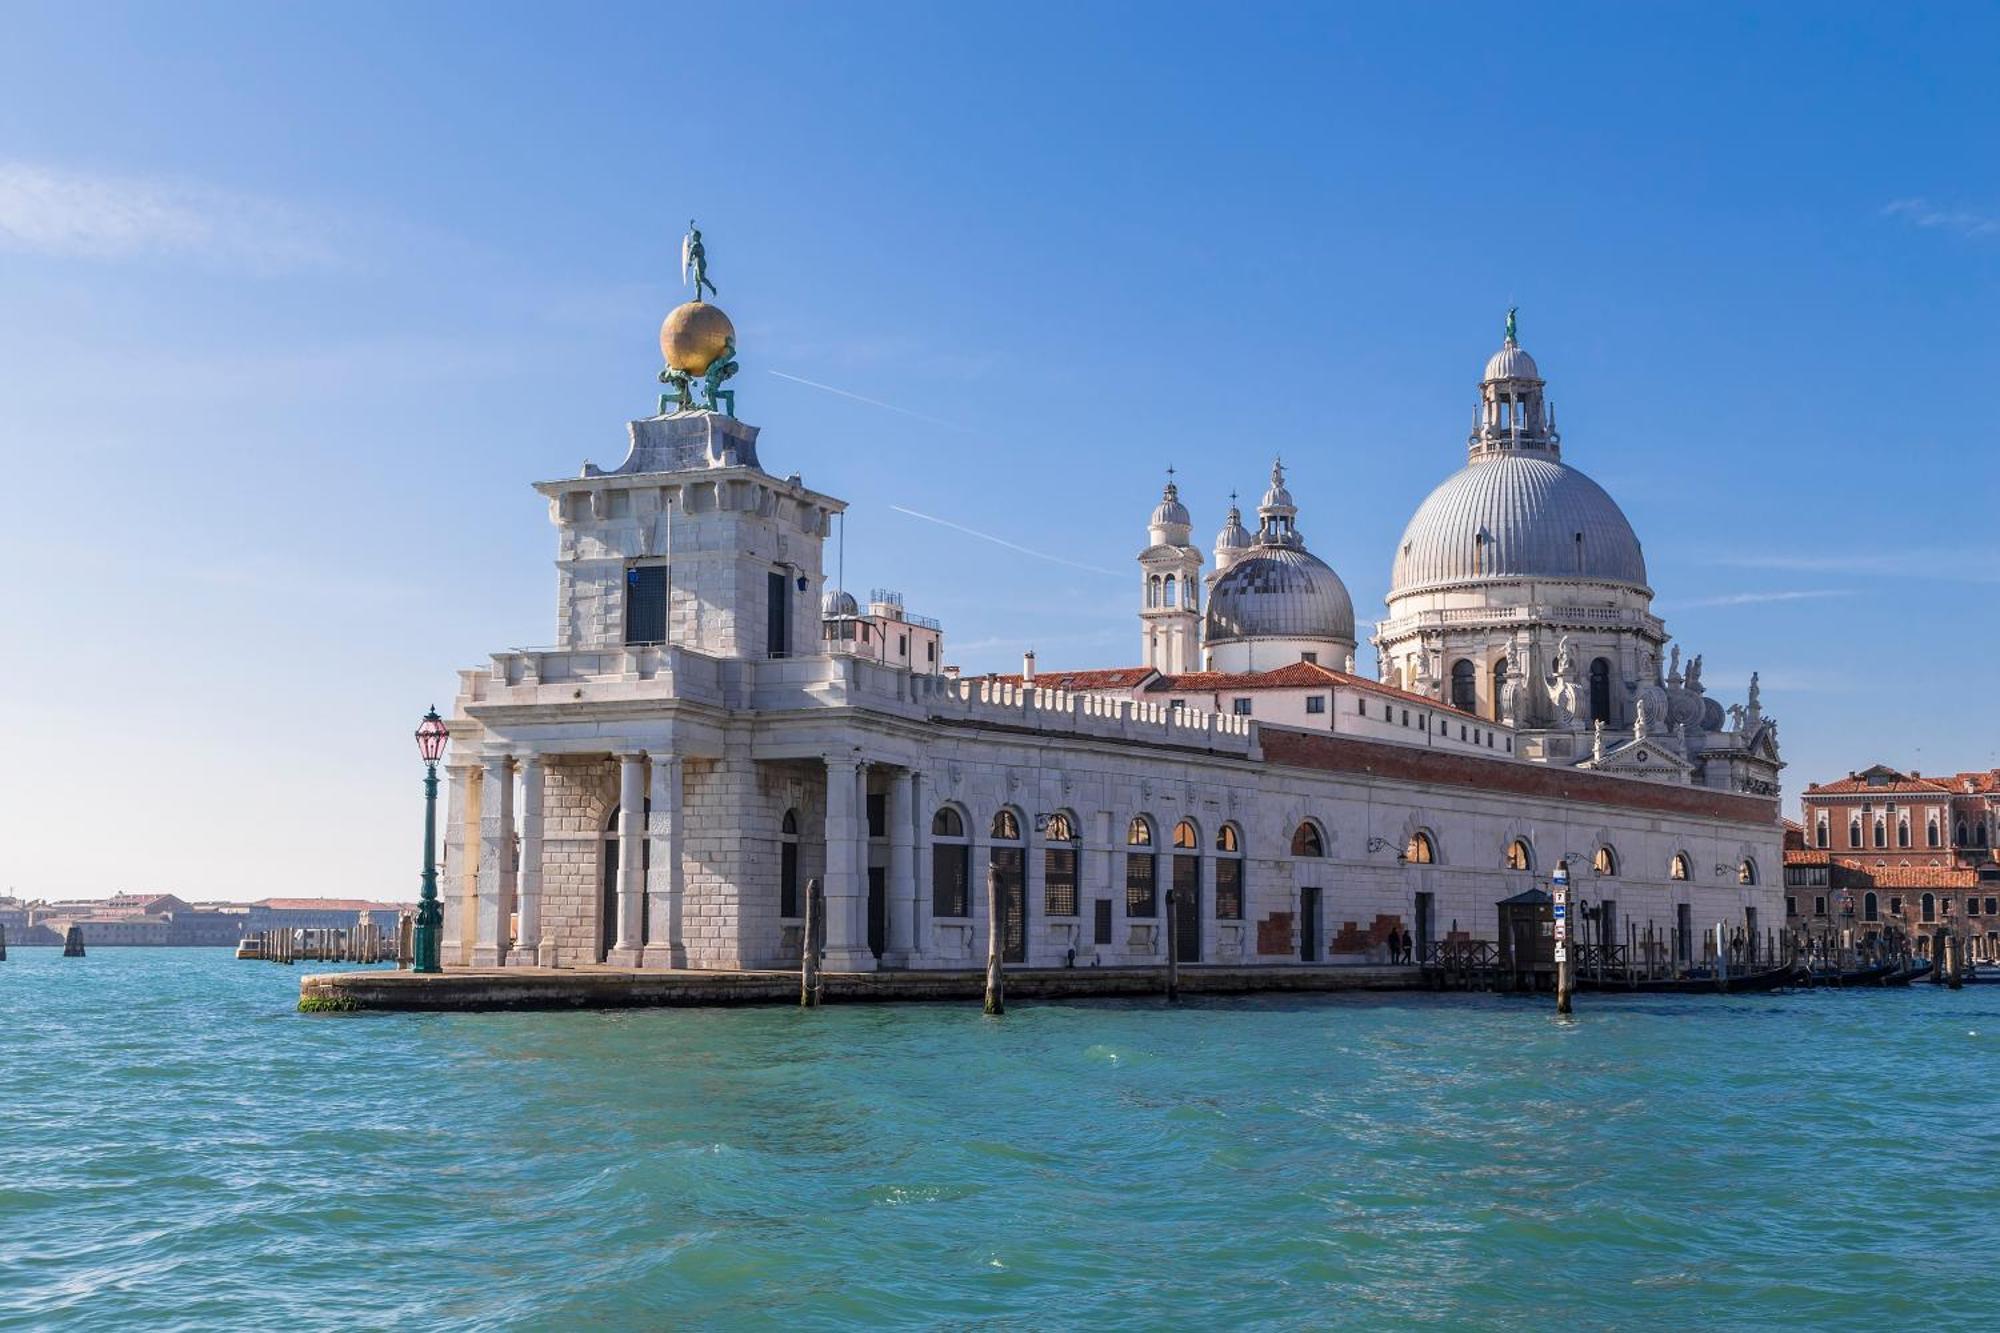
698	341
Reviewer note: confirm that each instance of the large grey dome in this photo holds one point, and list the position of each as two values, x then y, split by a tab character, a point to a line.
1510	516
1281	592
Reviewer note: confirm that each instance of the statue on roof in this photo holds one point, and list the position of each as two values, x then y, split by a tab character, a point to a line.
1512	310
694	261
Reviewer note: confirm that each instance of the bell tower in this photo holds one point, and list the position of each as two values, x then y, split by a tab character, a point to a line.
1170	588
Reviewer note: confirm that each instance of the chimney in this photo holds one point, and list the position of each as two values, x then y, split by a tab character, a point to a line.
1028	667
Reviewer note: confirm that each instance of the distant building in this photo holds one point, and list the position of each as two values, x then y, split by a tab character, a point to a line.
320	913
1900	851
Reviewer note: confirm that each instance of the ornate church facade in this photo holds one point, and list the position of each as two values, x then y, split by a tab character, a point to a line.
714	727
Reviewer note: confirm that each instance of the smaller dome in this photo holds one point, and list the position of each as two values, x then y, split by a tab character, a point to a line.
1279	592
1234	536
1511	362
1277	499
839	602
1171	513
694	336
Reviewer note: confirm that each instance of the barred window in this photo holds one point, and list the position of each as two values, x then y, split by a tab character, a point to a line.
646	604
1059	867
1141	898
1228	875
951	865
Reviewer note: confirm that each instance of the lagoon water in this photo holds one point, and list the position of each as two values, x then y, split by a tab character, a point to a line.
180	1149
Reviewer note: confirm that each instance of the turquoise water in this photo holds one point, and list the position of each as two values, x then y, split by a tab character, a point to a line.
179	1149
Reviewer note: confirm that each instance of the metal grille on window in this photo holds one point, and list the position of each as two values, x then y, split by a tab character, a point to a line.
646	604
1228	889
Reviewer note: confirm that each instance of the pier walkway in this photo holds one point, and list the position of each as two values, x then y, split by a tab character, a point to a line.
472	989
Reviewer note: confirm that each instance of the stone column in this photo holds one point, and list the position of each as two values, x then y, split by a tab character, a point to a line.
496	861
846	941
631	886
461	844
921	941
666	939
530	949
902	879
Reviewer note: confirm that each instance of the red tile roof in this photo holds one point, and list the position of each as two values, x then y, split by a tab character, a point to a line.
327	905
1909	877
1109	678
1805	856
1297	675
1863	787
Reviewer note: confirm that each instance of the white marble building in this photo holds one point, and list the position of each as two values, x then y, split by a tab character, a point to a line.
655	788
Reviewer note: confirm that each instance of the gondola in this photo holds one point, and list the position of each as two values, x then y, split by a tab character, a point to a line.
1738	983
1916	968
1874	974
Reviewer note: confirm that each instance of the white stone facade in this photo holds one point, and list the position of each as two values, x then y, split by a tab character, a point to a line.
624	796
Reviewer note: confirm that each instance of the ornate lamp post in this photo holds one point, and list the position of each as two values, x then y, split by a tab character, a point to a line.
432	736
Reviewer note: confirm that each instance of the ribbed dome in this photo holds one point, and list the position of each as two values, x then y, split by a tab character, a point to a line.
1279	592
837	602
1511	362
1171	513
1234	536
1531	510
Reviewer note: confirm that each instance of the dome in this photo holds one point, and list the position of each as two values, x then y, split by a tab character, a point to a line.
1279	592
1540	519
1171	513
1511	362
838	602
1234	536
694	335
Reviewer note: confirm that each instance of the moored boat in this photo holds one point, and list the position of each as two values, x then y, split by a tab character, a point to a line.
1739	983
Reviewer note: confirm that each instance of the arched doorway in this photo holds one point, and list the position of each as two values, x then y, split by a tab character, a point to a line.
1187	892
1600	691
607	916
1010	882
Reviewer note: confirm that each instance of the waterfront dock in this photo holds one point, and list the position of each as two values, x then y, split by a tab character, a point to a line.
476	989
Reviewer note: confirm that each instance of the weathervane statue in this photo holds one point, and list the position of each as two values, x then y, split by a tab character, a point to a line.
698	341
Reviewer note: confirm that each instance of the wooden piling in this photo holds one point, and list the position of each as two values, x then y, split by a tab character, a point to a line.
3	944
996	976
73	942
1565	964
1173	951
809	947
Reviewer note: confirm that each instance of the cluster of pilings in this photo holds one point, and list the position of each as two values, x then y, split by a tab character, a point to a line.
365	943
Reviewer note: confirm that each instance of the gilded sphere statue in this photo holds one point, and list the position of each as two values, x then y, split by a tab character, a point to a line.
694	335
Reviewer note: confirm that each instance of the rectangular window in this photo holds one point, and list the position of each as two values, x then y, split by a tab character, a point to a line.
1316	703
1103	922
1139	896
930	652
646	604
1972	907
777	614
1059	880
1791	905
1819	906
1229	890
878	815
1309	657
788	879
1361	707
902	645
948	879
1406	717
1240	707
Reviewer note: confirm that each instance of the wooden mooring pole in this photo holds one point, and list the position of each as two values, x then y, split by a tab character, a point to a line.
73	942
809	947
1173	951
1565	969
996	976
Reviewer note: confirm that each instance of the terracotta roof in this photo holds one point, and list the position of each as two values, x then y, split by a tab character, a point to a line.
1863	787
1108	678
327	905
1801	856
1298	675
1976	783
1913	877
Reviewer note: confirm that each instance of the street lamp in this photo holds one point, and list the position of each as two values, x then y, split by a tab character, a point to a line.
432	736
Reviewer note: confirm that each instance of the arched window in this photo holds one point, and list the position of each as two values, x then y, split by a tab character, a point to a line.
1869	911
1059	866
1306	840
1678	867
1929	907
951	865
1600	690
1185	837
1518	856
1464	691
608	912
1881	832
1228	874
1141	897
1499	684
1604	861
1961	839
1153	591
1168	590
1820	839
1854	831
1746	871
788	864
1421	851
1007	861
1930	833
1902	833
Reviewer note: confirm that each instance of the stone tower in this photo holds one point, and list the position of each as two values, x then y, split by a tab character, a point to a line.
1170	589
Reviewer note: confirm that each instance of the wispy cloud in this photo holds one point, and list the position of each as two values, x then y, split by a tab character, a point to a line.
872	402
1759	598
1958	565
51	210
1002	541
1919	212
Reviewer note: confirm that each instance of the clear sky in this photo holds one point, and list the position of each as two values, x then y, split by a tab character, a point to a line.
299	299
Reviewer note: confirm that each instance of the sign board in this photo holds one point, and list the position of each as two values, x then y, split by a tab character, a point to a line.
1562	952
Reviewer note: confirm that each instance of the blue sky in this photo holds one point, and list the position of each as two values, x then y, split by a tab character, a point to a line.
299	299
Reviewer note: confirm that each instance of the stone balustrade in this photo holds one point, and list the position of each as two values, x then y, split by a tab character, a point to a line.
1505	615
660	672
